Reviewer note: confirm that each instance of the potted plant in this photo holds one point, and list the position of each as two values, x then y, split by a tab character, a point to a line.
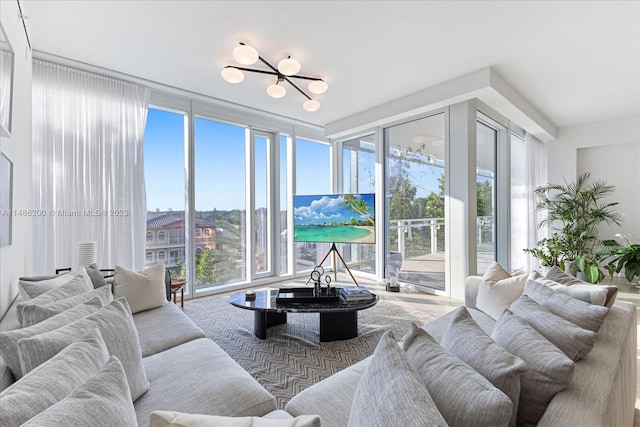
547	252
623	257
573	212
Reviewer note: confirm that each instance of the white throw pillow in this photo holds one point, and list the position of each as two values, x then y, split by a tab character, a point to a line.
494	298
180	419
143	291
28	289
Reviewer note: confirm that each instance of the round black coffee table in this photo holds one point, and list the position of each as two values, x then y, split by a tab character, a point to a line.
338	320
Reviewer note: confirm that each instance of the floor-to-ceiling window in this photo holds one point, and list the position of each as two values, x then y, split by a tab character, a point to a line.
283	202
164	142
263	215
487	139
415	196
358	177
220	202
313	177
519	221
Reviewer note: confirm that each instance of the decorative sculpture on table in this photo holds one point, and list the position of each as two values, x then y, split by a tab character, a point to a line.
316	277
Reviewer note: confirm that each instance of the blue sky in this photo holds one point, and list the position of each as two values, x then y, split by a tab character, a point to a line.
220	166
324	208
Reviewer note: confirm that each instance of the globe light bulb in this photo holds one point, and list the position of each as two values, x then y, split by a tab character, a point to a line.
311	105
318	87
288	66
232	75
276	91
245	54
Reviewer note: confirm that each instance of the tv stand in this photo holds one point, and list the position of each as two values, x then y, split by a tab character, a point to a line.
334	250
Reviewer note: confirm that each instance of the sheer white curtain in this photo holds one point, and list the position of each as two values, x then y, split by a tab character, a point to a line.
88	167
536	176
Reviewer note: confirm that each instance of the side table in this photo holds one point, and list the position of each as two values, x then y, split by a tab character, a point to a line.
177	285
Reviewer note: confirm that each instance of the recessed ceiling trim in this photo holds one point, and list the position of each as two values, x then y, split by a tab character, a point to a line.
484	84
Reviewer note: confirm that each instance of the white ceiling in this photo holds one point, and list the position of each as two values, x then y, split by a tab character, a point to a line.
574	61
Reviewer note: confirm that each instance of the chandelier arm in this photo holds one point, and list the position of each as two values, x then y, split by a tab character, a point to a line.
296	87
315	79
253	70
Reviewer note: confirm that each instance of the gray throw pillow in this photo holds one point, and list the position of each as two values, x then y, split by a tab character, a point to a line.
548	372
583	314
557	275
97	279
31	287
118	331
9	339
466	340
103	400
54	380
391	377
36	313
463	396
574	341
76	286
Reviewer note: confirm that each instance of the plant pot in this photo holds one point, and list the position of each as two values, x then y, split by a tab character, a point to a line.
570	267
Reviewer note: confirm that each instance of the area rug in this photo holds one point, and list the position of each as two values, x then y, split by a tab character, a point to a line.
292	357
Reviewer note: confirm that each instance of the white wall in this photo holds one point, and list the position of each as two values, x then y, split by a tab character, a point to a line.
16	260
610	151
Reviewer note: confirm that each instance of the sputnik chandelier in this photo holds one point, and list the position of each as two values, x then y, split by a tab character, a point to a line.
285	71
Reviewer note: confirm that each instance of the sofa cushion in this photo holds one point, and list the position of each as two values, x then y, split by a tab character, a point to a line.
103	399
9	339
495	294
574	341
76	286
31	287
164	327
54	380
549	370
210	383
449	379
180	419
33	313
118	331
391	373
466	340
143	291
341	386
583	290
583	314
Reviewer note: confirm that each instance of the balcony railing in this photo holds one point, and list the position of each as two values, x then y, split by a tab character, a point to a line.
406	229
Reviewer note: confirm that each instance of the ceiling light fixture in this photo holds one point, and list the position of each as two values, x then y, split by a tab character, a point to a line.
287	69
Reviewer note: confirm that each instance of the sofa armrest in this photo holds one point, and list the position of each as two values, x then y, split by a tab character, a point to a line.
471	285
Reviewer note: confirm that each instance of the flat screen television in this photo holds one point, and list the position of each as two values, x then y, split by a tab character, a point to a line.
334	218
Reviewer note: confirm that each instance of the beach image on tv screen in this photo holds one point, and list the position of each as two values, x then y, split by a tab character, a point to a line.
334	218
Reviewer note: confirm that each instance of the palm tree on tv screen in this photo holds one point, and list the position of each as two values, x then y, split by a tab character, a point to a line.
358	205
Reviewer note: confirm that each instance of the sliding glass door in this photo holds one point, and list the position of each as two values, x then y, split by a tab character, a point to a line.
415	189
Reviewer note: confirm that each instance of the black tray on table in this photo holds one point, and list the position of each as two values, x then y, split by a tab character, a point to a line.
305	295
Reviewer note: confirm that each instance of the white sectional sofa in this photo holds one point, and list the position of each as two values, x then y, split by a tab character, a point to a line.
186	371
602	392
189	373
